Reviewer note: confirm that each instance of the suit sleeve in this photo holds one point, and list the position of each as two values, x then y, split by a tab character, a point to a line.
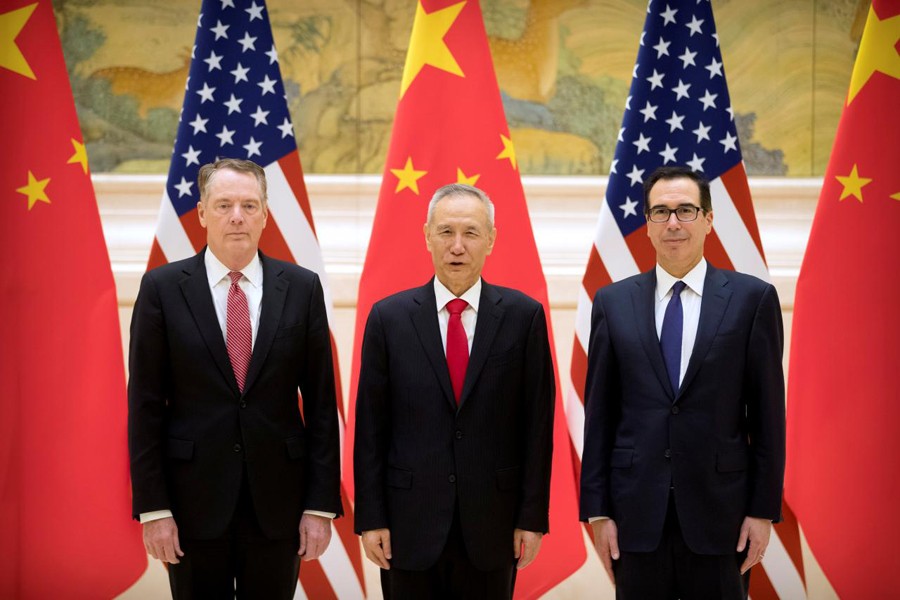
148	386
602	397
764	385
372	429
317	387
540	396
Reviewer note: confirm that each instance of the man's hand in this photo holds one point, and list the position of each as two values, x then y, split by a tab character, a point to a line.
606	541
377	544
526	545
757	531
315	533
161	540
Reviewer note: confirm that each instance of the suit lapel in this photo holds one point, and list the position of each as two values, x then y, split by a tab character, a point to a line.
275	289
712	308
644	297
425	320
489	317
195	287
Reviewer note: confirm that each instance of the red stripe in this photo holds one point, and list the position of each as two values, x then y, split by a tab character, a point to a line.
715	252
272	242
338	392
349	539
157	256
314	581
195	232
735	181
578	368
760	586
596	275
789	534
641	249
293	173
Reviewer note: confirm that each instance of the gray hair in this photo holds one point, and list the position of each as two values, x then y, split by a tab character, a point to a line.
207	173
461	189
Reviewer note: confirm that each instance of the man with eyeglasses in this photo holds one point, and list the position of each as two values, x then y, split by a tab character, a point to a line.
683	459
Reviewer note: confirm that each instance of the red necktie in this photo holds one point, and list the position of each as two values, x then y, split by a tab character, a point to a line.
457	345
238	335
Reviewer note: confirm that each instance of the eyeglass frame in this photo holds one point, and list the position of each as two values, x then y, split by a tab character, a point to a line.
670	211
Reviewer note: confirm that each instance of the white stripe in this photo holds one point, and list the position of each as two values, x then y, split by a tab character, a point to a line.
612	248
339	570
733	233
575	421
170	234
583	319
781	571
296	230
299	594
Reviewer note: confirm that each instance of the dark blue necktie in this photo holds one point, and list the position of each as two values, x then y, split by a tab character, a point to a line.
670	337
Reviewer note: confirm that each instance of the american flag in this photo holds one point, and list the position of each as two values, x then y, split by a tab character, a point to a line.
235	106
678	112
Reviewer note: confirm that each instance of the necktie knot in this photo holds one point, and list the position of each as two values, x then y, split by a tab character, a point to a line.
678	287
456	306
235	276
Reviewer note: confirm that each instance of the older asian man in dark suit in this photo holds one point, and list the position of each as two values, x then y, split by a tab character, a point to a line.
683	461
231	484
454	420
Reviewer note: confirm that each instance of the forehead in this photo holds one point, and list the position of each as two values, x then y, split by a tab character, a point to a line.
460	207
233	183
675	191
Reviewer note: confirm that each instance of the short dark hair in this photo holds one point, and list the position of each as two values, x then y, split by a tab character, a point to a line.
208	171
667	173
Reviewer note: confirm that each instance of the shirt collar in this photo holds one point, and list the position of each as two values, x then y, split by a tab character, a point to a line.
216	271
694	280
442	295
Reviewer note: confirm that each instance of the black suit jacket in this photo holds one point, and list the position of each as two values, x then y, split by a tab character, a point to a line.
718	442
193	434
417	455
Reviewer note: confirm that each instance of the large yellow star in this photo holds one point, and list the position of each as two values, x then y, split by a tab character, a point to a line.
895	196
80	156
853	184
877	52
508	151
35	190
11	23
426	44
461	177
408	177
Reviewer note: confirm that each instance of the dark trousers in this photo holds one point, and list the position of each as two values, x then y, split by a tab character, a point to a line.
673	572
452	577
243	563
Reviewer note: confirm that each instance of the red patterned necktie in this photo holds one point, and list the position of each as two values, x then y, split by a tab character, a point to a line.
457	345
238	335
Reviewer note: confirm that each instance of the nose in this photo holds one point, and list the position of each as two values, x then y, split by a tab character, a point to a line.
237	215
457	246
673	222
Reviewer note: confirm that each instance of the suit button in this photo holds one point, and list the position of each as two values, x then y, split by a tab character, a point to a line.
667	453
459	435
237	447
452	479
675	410
243	404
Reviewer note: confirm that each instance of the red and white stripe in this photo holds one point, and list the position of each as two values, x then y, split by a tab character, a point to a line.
733	244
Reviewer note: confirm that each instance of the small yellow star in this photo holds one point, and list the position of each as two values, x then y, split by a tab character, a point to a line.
461	177
427	46
11	24
408	177
508	151
877	52
35	190
80	156
895	196
853	184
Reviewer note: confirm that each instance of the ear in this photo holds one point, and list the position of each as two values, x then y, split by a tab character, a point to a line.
201	214
427	239
492	237
709	220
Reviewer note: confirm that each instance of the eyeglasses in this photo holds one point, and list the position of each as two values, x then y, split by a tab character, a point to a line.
684	213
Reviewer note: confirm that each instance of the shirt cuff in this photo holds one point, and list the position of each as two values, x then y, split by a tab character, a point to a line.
155	515
595	519
319	513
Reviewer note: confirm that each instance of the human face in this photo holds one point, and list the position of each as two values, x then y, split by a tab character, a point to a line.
679	245
459	238
234	216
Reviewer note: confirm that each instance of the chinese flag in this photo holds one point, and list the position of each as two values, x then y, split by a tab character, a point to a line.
843	403
450	127
65	510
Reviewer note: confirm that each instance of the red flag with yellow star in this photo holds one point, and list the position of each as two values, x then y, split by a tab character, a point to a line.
843	404
450	127
64	493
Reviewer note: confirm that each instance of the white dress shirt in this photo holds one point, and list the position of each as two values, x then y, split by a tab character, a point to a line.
469	316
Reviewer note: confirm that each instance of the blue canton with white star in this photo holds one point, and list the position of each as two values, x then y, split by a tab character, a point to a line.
678	110
235	103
